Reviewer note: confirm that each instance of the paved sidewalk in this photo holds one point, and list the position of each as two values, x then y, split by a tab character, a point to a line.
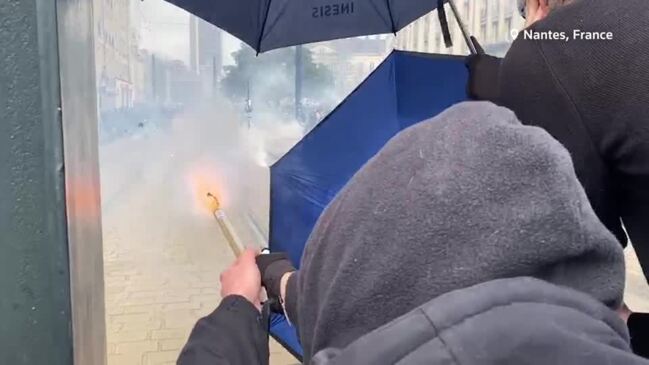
151	309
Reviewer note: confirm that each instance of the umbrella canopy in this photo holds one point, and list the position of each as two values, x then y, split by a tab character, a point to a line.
405	89
269	24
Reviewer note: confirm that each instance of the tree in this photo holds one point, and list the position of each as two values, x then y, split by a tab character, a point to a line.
271	76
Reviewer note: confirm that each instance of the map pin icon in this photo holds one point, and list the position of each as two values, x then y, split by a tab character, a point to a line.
514	33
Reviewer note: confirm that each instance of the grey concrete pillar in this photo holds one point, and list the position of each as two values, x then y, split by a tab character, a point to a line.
51	277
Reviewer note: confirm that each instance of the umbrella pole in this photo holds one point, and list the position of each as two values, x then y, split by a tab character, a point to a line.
460	23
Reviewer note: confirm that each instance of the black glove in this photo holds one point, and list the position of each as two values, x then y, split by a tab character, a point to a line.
483	74
272	267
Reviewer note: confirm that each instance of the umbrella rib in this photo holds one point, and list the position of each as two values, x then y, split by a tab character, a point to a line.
380	13
263	27
394	30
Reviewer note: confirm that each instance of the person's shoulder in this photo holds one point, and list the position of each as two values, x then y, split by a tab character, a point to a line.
526	320
518	320
597	16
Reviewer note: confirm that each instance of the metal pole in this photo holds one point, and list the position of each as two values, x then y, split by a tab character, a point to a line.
298	81
214	78
153	79
460	23
81	167
248	108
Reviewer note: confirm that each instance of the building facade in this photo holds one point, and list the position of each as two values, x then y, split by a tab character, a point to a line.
490	21
116	53
351	60
205	53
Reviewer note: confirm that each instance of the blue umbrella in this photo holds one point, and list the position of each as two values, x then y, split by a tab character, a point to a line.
269	24
405	89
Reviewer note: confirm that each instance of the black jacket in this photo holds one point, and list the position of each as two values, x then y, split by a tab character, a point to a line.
519	321
234	334
593	96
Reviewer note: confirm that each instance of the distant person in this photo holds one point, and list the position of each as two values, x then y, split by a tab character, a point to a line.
592	96
466	240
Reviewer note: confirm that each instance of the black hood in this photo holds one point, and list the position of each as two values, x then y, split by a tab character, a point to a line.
465	198
520	321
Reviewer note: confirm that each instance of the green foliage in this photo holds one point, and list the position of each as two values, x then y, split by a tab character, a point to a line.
271	76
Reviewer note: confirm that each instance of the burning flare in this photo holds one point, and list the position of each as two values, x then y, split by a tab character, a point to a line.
204	185
213	203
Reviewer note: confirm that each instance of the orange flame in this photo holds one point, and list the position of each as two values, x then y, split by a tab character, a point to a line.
213	202
205	188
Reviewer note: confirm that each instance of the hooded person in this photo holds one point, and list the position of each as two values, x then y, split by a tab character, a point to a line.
590	91
466	240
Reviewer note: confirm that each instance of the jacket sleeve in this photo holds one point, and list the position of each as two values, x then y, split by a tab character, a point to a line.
291	300
540	82
233	334
626	145
633	169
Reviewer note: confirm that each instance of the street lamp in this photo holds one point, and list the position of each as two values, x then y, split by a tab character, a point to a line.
248	107
299	73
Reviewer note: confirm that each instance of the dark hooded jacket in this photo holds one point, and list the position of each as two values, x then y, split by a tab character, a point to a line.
466	240
521	321
592	96
465	198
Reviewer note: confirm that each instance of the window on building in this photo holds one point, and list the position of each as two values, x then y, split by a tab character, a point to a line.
508	7
427	31
415	35
424	35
